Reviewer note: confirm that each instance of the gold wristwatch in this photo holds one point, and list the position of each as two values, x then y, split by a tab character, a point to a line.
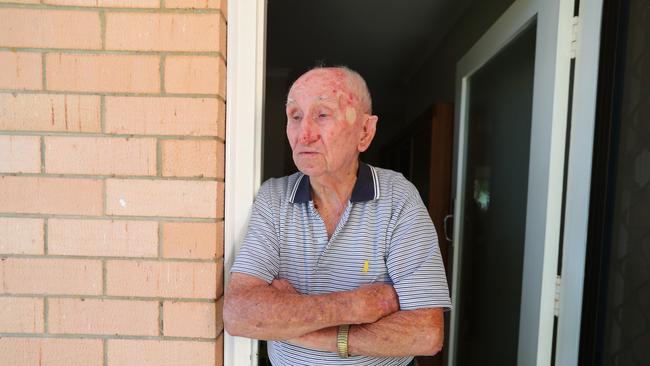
342	340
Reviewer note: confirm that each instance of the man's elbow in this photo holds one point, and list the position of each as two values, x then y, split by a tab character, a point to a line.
231	319
432	342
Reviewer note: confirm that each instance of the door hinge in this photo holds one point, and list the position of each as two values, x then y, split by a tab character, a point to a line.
575	28
556	305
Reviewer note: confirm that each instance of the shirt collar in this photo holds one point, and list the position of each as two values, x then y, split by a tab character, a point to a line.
366	187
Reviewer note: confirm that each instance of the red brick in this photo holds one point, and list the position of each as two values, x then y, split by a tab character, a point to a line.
190	319
106	3
50	352
195	74
21	236
100	155
160	353
21	315
192	158
50	195
50	276
174	198
164	32
21	70
20	154
103	238
103	73
49	112
197	240
165	116
40	28
161	279
96	316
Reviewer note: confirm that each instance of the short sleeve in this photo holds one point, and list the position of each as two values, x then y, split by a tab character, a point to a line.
259	254
414	262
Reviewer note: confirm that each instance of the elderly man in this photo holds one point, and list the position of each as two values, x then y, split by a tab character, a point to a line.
340	265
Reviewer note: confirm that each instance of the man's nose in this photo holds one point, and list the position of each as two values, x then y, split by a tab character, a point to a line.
308	130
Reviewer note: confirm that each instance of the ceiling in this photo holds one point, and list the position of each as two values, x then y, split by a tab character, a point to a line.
387	41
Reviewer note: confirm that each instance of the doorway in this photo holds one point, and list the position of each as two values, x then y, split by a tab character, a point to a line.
495	201
412	106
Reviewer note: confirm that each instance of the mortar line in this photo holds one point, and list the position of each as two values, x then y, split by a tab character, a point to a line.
105	337
160	318
102	28
115	297
107	258
46	307
105	349
102	113
161	70
121	177
112	217
158	158
45	232
110	135
42	143
155	10
101	51
116	94
43	68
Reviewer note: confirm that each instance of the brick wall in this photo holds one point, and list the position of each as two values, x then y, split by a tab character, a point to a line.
111	181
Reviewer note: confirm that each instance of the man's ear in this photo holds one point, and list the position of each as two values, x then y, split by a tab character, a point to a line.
368	132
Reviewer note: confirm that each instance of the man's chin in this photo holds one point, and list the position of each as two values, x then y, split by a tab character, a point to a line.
311	170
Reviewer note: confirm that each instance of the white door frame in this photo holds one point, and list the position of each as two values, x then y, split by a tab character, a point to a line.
576	217
244	108
545	183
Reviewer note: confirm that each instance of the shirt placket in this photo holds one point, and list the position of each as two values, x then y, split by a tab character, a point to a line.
321	233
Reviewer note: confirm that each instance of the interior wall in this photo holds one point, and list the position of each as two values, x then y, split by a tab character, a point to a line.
277	160
434	81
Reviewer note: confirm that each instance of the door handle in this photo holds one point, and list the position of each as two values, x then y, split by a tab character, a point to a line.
445	226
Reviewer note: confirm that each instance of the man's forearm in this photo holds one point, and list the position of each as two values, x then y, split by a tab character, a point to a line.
254	309
404	333
267	313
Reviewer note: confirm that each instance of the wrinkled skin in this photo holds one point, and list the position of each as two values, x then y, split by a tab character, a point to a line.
327	127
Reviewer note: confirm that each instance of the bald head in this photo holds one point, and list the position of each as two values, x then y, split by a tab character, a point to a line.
346	79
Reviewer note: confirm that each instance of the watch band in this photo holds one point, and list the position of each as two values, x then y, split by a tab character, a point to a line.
342	340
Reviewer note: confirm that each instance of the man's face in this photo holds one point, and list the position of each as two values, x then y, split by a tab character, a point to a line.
326	127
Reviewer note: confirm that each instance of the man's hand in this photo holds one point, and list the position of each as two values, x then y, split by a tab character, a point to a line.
369	302
284	286
373	302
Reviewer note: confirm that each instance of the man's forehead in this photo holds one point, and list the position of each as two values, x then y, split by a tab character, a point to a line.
320	98
324	80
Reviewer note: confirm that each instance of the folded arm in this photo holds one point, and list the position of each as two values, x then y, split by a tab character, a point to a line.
255	309
404	333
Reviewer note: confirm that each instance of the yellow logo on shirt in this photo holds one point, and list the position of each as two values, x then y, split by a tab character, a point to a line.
365	266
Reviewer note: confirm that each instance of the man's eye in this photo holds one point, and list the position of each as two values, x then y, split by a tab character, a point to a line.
323	115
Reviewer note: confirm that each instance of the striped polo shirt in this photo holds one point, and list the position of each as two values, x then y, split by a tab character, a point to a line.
384	235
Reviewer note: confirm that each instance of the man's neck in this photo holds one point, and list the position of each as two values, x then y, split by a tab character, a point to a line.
334	190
